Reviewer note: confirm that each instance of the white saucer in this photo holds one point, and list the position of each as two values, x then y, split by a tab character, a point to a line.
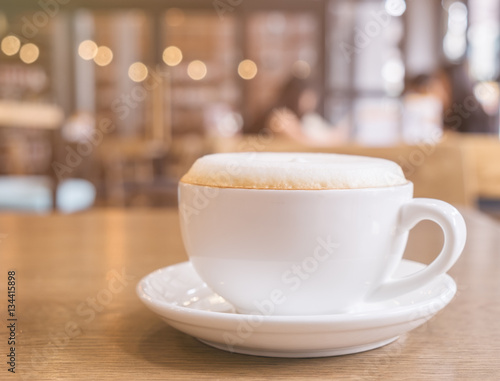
183	300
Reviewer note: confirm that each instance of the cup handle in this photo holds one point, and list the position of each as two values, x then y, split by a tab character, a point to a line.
454	229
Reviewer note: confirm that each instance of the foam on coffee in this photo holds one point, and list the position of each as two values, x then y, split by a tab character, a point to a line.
301	171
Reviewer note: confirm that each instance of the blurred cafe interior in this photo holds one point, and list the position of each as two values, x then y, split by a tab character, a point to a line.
107	103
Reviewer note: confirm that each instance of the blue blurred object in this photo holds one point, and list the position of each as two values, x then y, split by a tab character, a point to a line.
34	194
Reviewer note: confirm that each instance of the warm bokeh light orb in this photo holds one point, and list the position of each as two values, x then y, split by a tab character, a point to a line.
104	56
247	69
10	45
29	53
87	49
172	56
197	70
138	72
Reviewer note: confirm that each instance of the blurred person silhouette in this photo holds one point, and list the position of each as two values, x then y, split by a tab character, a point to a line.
453	88
464	112
295	115
425	98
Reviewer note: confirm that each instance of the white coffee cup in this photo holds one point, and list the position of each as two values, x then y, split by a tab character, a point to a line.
307	252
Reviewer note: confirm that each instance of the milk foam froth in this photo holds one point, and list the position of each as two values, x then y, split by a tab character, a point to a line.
288	171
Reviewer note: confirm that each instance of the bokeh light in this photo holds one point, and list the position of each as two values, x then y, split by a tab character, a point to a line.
104	56
87	49
247	69
393	72
197	70
29	53
488	94
10	45
457	17
172	56
395	7
455	40
138	72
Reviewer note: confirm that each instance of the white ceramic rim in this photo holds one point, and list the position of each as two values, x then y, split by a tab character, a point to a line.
312	323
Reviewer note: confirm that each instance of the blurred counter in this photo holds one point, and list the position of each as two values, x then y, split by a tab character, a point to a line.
459	169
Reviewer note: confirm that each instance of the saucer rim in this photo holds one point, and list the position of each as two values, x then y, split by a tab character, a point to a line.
312	323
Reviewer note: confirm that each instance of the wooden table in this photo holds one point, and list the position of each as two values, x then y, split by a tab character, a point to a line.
80	319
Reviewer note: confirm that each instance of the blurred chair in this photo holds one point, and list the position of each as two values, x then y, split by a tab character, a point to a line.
132	160
30	116
34	194
437	171
483	153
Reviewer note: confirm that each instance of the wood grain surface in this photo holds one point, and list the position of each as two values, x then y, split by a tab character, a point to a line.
80	319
